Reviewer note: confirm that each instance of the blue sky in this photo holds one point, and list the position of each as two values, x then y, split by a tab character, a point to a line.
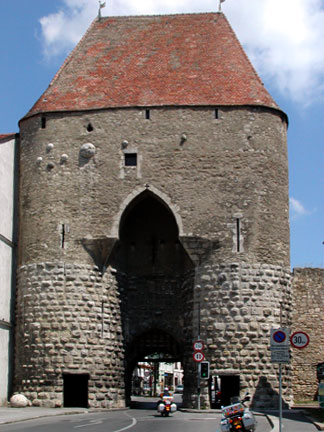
283	38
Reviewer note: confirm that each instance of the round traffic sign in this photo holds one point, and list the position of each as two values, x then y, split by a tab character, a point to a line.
198	356
198	345
279	336
299	339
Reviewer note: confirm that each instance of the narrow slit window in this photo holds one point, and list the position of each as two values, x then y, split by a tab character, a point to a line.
238	235
130	159
147	114
43	122
216	114
63	236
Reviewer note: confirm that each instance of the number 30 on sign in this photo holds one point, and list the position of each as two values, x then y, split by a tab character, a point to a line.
299	339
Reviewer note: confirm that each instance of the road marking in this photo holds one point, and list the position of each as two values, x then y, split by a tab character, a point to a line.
134	421
92	423
100	421
203	419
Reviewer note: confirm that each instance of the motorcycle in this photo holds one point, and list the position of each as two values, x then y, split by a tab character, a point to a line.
237	417
166	406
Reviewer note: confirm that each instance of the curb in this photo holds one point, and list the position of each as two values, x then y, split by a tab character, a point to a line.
274	422
56	413
38	416
318	425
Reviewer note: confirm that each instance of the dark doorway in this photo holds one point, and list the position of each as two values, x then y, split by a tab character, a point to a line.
149	240
230	386
75	390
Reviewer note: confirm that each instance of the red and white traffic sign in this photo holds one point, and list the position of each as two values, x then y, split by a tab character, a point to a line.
198	345
299	339
198	356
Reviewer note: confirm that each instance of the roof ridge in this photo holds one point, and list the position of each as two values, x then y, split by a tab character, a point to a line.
160	15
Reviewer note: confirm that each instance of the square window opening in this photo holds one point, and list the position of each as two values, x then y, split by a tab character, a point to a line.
130	159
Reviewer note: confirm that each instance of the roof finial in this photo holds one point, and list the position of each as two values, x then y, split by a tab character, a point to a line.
220	5
101	5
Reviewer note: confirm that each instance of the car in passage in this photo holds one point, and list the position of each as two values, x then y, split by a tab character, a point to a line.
179	388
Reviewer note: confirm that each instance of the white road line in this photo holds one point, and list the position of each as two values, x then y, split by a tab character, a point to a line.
100	421
92	423
134	421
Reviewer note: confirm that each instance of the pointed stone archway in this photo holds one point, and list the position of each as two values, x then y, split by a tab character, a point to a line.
155	281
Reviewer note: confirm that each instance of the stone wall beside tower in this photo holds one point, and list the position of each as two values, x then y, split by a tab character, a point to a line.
307	316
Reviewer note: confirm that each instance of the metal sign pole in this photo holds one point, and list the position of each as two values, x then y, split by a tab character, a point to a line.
280	397
280	379
198	386
199	366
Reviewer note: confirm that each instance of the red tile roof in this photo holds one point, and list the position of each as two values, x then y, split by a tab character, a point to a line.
172	60
7	136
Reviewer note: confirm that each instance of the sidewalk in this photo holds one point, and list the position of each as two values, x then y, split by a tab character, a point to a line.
12	415
297	410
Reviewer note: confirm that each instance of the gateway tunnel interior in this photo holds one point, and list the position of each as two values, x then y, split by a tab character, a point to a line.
153	363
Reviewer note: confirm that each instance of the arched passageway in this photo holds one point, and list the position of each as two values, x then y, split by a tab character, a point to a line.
155	279
153	346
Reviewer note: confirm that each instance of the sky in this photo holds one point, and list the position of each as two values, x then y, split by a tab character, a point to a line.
284	40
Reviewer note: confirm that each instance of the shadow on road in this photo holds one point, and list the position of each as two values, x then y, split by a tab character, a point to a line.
146	404
149	403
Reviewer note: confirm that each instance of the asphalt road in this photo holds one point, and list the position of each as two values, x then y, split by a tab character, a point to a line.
141	418
118	421
144	418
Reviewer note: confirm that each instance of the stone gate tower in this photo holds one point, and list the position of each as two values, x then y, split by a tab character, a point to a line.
153	184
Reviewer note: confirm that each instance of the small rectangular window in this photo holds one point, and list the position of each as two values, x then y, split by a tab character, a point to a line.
216	114
43	121
147	114
130	159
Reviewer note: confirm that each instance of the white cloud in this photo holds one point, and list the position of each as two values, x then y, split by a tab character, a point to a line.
297	208
285	41
62	30
283	38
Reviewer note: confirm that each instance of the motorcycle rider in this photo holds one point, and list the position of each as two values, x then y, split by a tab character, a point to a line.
165	392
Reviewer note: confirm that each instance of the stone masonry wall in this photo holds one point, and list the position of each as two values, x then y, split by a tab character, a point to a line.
307	316
240	303
68	322
230	168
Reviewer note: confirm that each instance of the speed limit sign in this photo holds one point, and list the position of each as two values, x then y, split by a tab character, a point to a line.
198	356
299	339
